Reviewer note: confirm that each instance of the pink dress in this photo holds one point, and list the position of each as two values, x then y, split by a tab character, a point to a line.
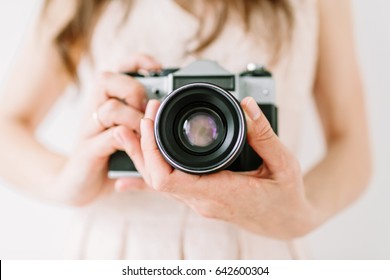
139	225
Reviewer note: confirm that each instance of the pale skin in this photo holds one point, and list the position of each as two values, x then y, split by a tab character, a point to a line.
276	200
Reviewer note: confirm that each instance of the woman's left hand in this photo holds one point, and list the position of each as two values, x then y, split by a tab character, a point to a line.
270	201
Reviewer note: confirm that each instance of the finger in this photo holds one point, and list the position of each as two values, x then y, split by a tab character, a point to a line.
130	184
151	109
130	143
156	167
125	88
114	112
136	62
262	138
105	143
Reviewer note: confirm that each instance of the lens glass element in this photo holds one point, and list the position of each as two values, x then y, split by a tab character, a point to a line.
200	129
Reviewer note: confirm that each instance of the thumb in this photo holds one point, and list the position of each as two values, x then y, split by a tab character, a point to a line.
262	138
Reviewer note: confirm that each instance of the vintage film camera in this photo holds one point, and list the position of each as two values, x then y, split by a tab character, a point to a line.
200	127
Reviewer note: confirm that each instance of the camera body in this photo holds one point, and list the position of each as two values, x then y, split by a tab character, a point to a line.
200	127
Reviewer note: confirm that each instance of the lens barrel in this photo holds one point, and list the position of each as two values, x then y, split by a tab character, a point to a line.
200	128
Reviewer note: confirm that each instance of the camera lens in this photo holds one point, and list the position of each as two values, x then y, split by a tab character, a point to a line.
200	128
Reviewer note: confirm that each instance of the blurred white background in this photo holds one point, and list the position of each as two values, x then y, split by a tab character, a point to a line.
30	229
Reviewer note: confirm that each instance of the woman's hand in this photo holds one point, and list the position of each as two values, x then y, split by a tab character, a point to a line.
118	104
270	201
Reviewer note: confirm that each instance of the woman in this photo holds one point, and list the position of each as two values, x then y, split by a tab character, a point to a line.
308	45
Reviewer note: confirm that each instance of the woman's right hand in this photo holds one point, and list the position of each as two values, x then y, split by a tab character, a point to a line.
118	104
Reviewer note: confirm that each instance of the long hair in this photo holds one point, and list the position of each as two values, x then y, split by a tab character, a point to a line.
276	14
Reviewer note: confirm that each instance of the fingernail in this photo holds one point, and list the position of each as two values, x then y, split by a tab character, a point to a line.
149	111
252	109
